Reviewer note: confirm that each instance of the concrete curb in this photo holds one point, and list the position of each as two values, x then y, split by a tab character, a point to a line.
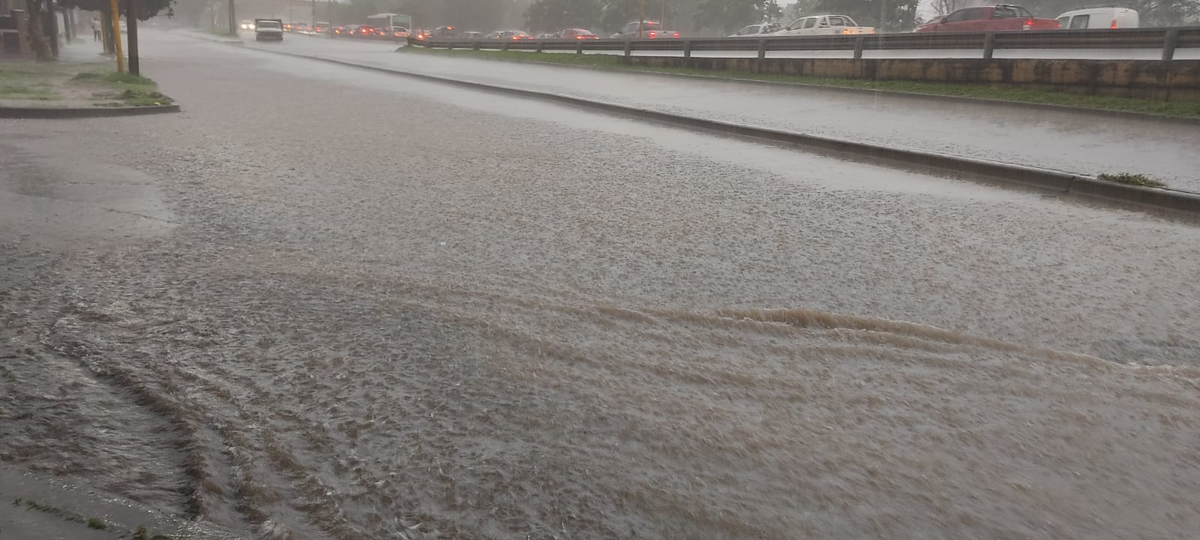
1057	181
867	91
73	113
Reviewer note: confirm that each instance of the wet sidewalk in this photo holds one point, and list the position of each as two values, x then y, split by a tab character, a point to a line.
1077	142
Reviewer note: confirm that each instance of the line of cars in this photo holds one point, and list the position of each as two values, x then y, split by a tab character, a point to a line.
633	30
997	18
361	31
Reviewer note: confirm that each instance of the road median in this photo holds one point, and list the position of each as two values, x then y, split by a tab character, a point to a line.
1188	112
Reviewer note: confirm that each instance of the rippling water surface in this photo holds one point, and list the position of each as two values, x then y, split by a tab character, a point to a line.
527	340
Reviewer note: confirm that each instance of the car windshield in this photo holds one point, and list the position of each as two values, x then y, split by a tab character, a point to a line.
349	283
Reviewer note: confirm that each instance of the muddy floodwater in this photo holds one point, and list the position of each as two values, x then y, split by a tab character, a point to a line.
291	329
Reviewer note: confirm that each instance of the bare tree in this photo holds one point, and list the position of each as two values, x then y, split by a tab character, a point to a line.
946	7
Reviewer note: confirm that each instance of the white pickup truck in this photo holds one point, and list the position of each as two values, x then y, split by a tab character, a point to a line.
824	25
268	29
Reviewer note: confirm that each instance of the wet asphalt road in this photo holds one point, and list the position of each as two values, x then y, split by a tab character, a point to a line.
329	303
1079	143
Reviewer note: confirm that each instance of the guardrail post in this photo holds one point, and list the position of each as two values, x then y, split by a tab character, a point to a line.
687	53
1169	43
475	45
858	46
762	48
540	45
989	45
505	46
579	47
628	50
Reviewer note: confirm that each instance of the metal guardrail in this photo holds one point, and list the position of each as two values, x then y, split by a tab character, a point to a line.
1167	39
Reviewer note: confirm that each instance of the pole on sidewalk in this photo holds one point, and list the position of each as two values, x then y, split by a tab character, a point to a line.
53	29
131	21
116	32
233	29
66	23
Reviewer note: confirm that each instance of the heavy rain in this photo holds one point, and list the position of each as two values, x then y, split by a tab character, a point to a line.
362	285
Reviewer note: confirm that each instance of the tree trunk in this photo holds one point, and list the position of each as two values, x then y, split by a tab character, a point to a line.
106	31
37	35
131	20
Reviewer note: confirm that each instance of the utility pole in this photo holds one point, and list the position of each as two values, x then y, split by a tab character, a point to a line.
116	32
232	20
314	16
131	18
66	23
53	30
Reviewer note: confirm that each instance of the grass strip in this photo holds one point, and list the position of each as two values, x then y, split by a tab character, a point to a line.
1131	179
995	93
125	89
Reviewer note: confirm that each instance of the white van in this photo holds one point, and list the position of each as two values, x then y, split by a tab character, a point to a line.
1105	17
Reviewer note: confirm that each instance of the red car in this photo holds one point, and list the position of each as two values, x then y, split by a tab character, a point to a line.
999	18
364	31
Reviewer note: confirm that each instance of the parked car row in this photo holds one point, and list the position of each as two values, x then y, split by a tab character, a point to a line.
997	18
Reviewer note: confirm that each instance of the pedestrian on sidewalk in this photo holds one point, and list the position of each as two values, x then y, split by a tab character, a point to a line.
95	29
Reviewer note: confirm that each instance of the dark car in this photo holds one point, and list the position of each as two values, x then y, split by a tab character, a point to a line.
999	18
391	32
364	31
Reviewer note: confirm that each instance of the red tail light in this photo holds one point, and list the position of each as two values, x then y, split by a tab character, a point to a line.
676	34
653	34
1113	25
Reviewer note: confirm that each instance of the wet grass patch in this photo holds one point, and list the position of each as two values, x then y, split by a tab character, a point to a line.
37	91
77	84
1131	179
123	89
994	93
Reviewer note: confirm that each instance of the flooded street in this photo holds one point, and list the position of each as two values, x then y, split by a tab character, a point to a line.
334	304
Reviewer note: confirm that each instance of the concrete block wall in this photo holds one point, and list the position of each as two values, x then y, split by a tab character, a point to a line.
1173	80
